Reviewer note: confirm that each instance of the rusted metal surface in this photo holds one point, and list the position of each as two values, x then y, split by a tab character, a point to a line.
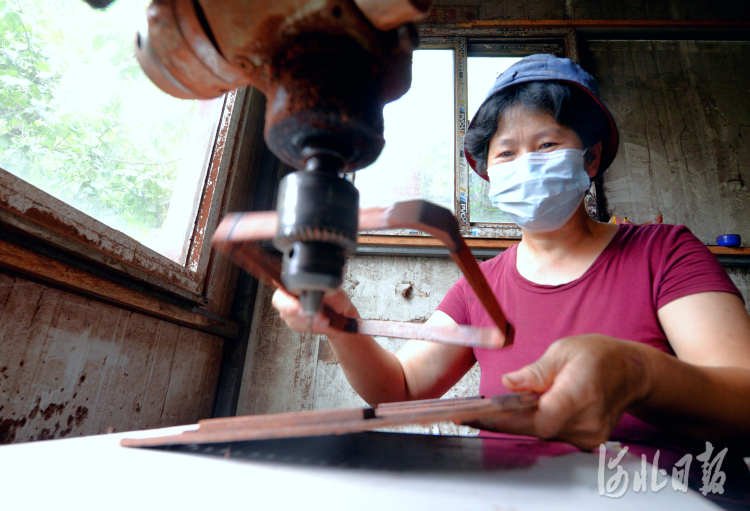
326	71
337	422
238	234
389	14
70	366
226	142
176	51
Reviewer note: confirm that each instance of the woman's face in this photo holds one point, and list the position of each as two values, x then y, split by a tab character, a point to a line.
522	131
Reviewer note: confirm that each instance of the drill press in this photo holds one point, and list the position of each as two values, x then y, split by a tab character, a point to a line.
327	68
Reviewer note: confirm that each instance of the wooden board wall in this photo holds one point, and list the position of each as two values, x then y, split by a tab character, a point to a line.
452	11
682	108
70	366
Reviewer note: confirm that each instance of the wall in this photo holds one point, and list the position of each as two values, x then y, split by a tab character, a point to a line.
470	10
70	366
682	108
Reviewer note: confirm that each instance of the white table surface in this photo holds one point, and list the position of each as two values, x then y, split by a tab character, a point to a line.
95	473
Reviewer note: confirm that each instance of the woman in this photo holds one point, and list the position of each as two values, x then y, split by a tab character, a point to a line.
624	329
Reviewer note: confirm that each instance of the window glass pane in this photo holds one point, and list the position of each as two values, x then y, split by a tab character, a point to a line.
481	74
81	121
418	159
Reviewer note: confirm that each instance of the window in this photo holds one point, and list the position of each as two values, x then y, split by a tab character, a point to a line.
81	121
481	73
424	130
418	158
117	160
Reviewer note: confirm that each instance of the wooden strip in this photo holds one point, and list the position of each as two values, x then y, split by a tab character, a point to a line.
466	411
501	244
247	227
282	419
458	335
739	251
30	263
429	241
469	267
352	420
703	24
384	407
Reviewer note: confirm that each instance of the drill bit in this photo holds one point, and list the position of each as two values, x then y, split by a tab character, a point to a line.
311	301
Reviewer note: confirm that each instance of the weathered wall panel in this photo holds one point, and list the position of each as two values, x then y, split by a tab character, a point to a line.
70	366
682	109
690	10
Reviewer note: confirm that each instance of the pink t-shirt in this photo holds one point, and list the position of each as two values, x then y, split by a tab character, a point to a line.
642	269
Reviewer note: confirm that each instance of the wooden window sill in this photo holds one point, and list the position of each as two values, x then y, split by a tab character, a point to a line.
498	244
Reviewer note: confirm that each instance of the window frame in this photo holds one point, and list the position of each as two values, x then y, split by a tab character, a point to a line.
521	41
46	219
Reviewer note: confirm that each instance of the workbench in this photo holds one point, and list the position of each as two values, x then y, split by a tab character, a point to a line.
370	471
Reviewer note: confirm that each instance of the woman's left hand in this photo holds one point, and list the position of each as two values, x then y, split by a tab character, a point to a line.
587	382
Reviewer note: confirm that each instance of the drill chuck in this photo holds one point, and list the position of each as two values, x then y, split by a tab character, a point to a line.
317	228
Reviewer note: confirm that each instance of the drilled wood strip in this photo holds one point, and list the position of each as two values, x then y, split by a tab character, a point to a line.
283	419
469	267
336	428
429	241
289	426
403	405
458	335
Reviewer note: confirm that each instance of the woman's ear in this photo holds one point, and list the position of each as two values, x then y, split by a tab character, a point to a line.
592	159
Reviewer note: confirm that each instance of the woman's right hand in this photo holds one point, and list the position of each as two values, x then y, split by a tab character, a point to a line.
292	314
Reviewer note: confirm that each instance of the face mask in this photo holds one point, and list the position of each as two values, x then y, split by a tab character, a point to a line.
540	191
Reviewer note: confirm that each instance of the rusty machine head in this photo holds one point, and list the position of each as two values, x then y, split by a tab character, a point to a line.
327	68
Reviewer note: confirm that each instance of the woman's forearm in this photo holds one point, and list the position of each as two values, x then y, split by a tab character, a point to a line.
698	401
373	372
421	370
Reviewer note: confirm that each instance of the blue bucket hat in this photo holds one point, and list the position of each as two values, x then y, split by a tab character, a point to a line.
543	67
